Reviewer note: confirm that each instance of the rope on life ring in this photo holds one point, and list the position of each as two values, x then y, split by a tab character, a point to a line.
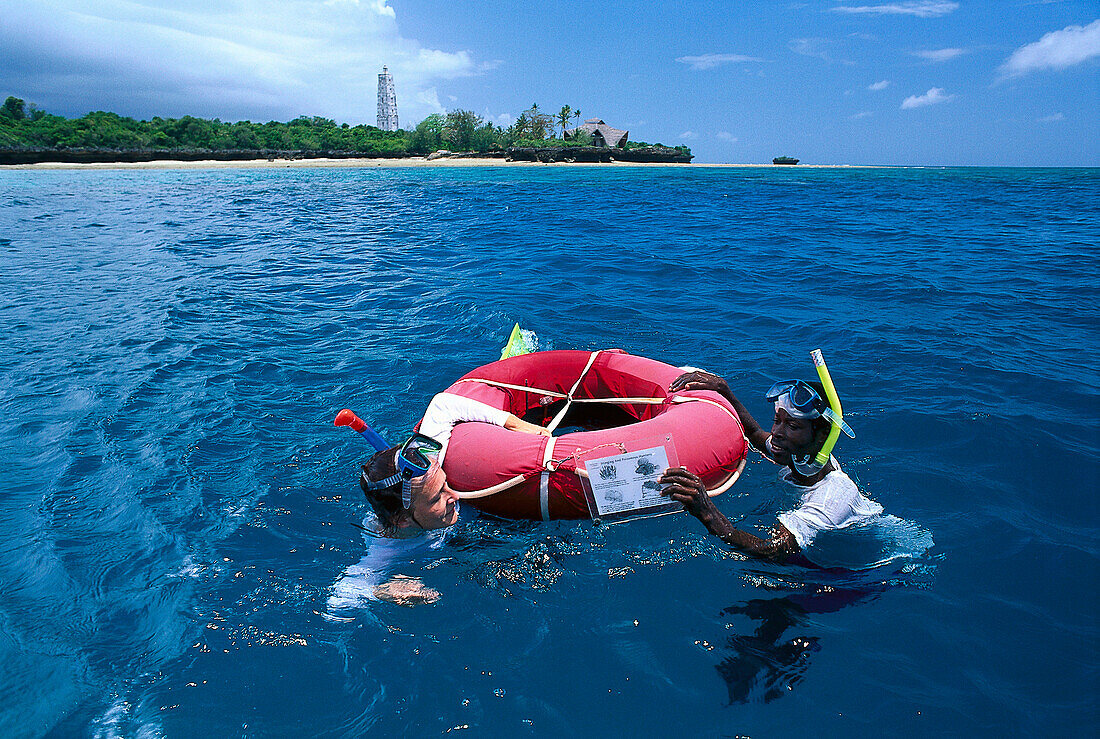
548	451
569	398
556	394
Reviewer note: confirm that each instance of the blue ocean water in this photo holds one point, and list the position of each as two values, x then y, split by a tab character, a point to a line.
180	519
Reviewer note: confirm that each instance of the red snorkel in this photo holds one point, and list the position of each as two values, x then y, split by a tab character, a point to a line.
347	417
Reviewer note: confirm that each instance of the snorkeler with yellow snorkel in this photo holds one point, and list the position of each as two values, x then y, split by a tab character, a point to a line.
808	421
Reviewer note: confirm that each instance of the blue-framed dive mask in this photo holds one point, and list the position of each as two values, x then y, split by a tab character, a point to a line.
801	400
416	456
414	459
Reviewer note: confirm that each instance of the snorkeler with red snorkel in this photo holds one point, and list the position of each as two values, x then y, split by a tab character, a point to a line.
407	489
405	484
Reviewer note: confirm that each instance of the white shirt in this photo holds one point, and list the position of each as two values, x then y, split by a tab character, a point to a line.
356	585
447	411
833	503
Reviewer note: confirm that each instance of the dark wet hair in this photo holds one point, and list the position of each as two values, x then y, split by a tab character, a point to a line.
386	502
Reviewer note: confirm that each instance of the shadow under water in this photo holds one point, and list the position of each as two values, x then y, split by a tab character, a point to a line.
768	662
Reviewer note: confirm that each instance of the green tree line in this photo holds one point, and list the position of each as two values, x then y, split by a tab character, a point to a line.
24	127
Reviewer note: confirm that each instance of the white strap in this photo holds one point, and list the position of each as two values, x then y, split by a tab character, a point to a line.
556	394
740	467
716	404
518	479
622	401
728	483
486	492
521	388
569	398
544	478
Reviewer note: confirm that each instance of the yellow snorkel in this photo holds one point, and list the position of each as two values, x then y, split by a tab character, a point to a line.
834	401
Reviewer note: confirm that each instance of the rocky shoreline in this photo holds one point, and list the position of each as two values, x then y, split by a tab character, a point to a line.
565	154
593	154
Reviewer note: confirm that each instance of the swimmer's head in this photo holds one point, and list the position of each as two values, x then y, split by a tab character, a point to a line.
431	502
798	434
797	405
384	499
812	411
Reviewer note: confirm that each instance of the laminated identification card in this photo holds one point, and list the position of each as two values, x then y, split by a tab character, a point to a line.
629	483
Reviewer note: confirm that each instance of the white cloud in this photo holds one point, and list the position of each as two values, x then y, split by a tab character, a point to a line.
815	47
434	63
1051	118
857	116
881	85
710	61
933	96
726	136
1056	50
380	7
689	135
939	55
428	100
256	60
925	9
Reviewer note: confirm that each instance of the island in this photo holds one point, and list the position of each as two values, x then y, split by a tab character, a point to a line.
30	135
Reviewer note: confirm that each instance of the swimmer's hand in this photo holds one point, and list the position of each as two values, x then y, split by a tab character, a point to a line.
686	488
699	380
515	424
407	591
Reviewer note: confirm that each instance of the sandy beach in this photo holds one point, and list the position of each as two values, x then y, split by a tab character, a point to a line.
379	163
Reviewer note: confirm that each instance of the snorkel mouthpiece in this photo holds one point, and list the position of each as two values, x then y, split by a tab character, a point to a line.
347	417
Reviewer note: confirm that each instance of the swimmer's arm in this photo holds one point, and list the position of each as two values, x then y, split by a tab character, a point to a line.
513	423
686	488
700	380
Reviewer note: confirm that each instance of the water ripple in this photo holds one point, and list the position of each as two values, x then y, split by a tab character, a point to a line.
178	506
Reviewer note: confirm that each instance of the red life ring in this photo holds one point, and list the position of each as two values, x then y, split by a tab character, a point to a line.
525	476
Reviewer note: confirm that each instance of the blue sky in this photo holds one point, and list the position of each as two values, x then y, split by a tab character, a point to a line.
916	82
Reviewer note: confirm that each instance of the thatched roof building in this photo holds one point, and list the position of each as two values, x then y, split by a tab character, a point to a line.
602	134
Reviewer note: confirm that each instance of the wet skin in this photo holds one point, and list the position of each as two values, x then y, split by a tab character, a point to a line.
789	436
434	505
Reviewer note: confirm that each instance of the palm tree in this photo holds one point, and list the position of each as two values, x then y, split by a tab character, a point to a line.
563	117
539	122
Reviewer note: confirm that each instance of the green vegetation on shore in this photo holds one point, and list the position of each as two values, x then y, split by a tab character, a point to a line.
25	128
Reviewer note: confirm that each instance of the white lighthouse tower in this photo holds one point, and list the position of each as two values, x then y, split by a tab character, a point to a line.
387	102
